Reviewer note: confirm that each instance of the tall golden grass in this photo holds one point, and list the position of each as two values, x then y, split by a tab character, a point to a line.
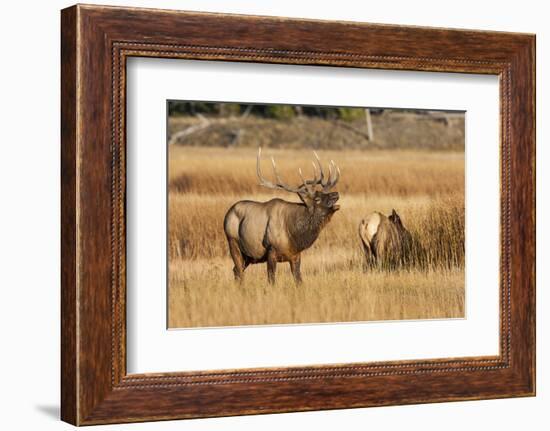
426	188
206	296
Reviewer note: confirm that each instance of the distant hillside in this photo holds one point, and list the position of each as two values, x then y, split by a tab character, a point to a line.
391	129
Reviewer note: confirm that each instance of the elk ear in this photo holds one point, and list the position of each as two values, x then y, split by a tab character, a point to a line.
394	213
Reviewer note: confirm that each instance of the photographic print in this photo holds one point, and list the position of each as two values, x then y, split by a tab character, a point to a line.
297	214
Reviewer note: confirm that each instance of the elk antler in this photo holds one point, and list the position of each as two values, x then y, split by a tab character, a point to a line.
307	185
333	174
279	184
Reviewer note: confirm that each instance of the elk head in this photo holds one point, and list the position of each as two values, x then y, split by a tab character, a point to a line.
395	219
315	193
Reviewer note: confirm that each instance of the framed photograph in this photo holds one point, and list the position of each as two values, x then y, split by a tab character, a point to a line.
264	215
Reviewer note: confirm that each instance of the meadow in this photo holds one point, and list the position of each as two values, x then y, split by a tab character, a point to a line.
425	187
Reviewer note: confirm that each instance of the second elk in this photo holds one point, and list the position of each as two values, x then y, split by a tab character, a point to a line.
385	241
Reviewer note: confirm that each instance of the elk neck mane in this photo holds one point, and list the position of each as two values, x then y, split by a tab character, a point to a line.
304	226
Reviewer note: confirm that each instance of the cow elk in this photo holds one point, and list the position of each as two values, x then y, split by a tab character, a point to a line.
385	241
278	230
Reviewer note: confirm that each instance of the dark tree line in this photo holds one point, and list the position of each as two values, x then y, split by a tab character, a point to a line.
279	112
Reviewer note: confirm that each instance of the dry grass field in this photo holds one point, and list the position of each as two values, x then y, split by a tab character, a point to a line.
425	187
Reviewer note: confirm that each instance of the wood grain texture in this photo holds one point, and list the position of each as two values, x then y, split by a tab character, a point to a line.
69	367
96	41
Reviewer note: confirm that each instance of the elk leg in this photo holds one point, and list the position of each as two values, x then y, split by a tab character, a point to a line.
295	269
238	259
369	256
271	265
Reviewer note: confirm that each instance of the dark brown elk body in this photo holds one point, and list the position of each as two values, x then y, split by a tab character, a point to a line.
385	241
277	230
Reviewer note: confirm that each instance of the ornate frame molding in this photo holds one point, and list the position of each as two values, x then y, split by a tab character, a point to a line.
96	41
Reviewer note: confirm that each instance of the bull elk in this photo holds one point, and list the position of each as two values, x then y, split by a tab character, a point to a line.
278	230
386	242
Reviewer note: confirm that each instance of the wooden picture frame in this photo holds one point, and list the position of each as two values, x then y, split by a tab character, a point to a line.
95	43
